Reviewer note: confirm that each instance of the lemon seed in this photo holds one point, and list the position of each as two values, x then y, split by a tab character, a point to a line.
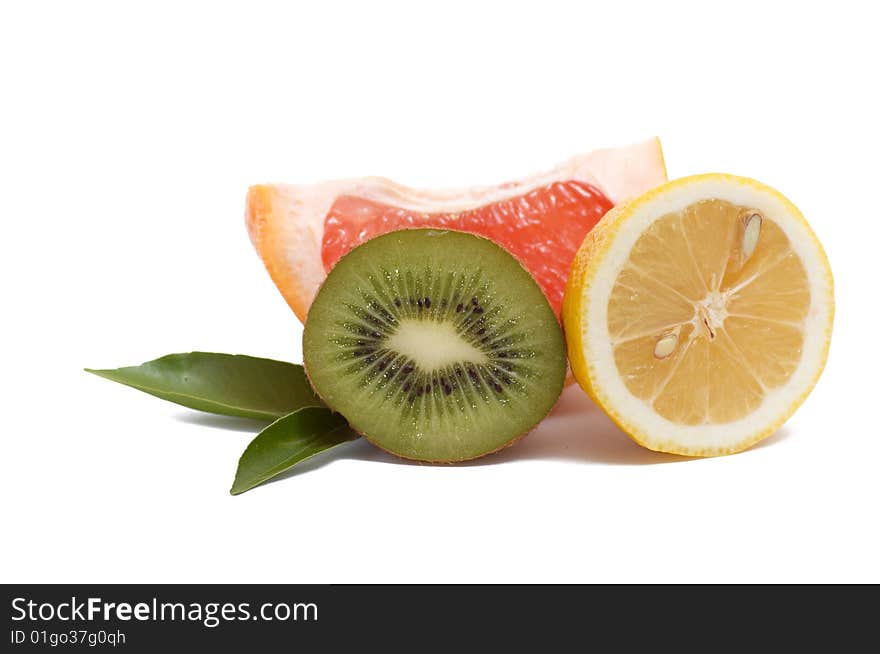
751	232
665	345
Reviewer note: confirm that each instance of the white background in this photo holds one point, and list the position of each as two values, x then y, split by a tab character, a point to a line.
129	133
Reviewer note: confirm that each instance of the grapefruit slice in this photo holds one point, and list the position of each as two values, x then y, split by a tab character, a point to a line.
301	231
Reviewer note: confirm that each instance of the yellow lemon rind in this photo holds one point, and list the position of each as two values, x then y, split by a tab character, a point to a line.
589	262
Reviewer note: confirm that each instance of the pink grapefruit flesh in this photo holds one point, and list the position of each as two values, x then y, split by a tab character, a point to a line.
300	231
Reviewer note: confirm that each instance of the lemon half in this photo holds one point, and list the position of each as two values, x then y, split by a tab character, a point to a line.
699	315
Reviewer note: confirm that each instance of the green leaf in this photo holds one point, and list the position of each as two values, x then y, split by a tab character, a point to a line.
286	442
229	384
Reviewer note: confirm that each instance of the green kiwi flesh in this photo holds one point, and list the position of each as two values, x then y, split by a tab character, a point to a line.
435	345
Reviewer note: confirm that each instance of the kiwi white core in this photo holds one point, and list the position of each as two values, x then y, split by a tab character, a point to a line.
433	345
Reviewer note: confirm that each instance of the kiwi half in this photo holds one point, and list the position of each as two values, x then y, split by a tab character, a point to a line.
435	345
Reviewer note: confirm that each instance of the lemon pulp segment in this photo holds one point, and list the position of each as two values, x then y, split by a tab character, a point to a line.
707	314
